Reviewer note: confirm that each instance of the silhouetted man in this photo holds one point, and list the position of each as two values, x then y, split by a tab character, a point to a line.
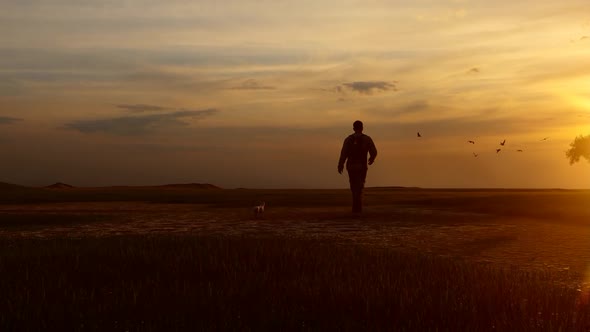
354	153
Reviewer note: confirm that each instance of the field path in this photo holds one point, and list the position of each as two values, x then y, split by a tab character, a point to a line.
517	241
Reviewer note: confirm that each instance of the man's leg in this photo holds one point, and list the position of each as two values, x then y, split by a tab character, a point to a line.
362	177
355	179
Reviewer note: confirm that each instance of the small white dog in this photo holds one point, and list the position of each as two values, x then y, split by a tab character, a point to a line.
259	210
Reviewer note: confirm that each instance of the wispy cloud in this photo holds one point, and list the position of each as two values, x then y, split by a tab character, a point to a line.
252	85
9	87
367	87
417	106
9	120
142	108
139	125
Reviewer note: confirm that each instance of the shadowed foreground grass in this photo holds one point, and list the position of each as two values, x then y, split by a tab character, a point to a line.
205	283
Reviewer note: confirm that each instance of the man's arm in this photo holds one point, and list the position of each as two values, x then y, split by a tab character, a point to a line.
343	156
372	151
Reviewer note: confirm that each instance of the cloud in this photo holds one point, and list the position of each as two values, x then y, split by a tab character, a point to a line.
142	107
411	107
139	125
417	106
367	87
10	87
8	120
584	37
252	85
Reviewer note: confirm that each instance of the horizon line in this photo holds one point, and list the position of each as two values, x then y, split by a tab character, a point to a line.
212	186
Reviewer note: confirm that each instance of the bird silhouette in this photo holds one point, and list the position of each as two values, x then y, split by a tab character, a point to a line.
475	154
519	150
544	139
498	150
472	142
503	142
418	134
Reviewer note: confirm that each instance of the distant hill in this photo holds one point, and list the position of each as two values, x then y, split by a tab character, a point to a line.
190	186
60	185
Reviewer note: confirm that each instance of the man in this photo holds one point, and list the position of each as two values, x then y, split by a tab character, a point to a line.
354	153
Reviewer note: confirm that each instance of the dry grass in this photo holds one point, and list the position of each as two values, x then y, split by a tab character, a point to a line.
196	259
254	284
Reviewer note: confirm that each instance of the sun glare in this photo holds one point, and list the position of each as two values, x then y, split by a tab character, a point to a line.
582	103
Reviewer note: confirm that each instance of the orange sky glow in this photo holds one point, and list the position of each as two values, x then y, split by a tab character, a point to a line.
262	93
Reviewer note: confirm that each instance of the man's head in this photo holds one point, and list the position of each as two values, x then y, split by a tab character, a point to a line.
357	126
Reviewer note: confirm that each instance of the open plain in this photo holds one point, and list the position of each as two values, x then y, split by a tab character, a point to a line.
424	259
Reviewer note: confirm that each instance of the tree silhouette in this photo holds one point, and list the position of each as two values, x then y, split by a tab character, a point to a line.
580	147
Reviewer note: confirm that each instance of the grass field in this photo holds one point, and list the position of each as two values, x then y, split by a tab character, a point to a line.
177	259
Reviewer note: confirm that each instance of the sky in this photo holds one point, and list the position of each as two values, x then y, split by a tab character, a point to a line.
261	94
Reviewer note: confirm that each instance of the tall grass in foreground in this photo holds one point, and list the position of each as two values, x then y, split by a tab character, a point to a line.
205	283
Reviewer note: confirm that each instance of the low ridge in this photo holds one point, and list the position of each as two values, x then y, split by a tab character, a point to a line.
60	185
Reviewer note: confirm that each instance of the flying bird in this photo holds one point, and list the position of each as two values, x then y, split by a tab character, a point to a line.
472	142
418	134
545	138
503	142
519	150
475	154
498	150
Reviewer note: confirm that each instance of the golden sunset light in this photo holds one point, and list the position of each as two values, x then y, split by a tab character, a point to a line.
294	165
261	94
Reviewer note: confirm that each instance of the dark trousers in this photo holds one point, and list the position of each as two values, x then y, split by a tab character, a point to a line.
357	177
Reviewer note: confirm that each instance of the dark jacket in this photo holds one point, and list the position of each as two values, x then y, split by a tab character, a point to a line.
354	151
